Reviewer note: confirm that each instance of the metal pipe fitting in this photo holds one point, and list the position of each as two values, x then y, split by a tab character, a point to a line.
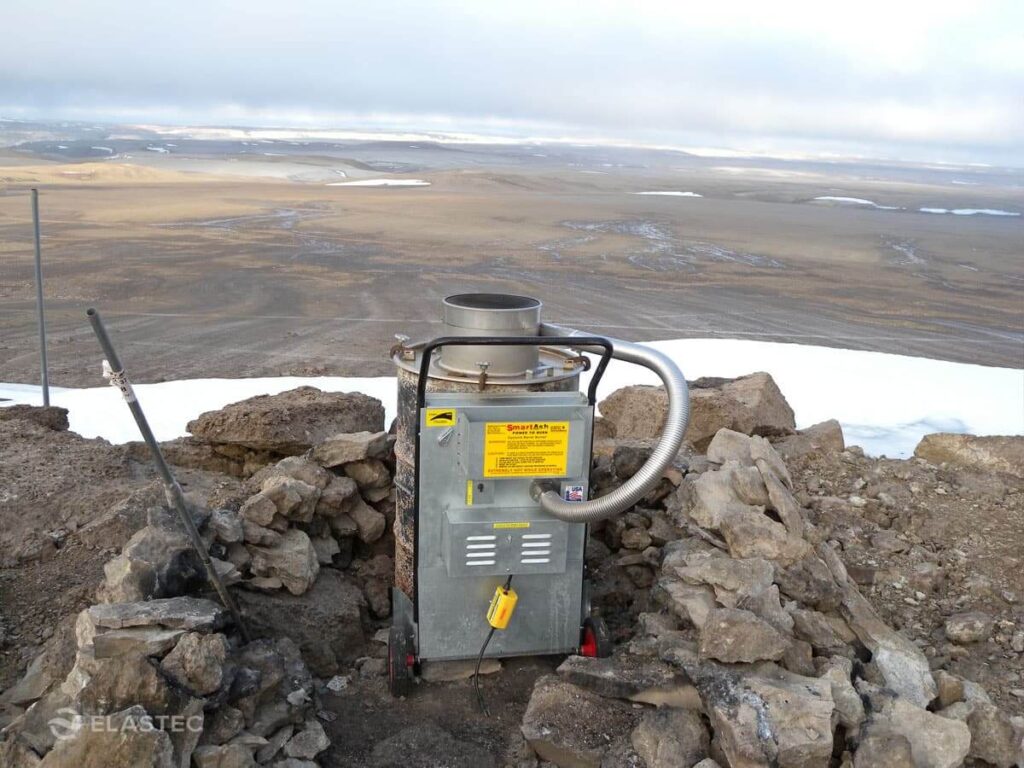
634	489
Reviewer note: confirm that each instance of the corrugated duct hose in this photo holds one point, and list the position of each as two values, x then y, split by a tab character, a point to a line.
634	489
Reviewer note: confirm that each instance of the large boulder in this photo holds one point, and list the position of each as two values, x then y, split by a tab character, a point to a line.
570	726
293	560
326	622
752	404
131	740
671	738
987	454
156	562
291	422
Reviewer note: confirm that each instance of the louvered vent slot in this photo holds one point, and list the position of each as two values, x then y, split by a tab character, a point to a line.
480	551
535	549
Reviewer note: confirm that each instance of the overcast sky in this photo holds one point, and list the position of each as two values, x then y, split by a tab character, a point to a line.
927	81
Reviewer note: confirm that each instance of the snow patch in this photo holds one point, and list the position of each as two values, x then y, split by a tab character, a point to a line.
885	402
971	211
381	183
857	201
671	193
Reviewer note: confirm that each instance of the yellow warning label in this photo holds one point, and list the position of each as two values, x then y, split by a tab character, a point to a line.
440	417
469	493
526	449
501	526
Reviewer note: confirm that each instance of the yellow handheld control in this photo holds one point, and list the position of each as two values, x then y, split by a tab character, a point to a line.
502	605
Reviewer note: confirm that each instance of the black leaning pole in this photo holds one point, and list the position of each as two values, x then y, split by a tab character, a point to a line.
39	298
115	373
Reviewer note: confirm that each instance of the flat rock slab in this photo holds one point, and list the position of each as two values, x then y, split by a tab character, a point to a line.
571	726
291	422
147	641
173	613
630	677
448	671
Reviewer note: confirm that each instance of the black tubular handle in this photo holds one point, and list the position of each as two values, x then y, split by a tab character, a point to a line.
515	341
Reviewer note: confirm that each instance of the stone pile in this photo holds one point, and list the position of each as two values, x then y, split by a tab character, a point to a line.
305	553
747	641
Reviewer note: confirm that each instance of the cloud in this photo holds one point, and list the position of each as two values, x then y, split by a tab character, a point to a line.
900	78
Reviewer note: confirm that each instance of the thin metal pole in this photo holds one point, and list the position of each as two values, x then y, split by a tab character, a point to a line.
39	299
119	378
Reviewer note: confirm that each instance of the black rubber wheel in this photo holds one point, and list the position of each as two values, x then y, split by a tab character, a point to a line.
596	640
400	658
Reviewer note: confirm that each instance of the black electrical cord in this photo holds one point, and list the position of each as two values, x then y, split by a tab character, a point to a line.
479	660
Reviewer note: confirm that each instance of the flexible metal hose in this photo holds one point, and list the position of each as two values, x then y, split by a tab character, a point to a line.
634	489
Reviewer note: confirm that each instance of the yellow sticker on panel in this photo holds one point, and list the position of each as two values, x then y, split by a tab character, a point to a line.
526	449
440	417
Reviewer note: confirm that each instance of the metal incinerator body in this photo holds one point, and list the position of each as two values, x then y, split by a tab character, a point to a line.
493	450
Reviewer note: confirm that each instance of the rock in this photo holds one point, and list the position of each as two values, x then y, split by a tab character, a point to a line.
426	745
781	500
292	560
274	744
950	687
826	634
713	498
131	740
838	670
624	676
903	666
826	437
965	628
191	613
753	534
257	534
145	641
226	526
775	718
223	725
223	756
670	738
569	726
750	404
293	499
993	738
309	742
730	445
733	635
326	622
935	742
258	509
732	579
450	671
326	547
344	448
291	422
296	467
637	539
127	681
884	751
370	523
369	474
50	416
690	603
987	454
636	412
809	581
32	685
156	562
337	497
197	662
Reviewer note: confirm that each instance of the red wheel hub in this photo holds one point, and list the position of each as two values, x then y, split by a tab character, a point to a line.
589	645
